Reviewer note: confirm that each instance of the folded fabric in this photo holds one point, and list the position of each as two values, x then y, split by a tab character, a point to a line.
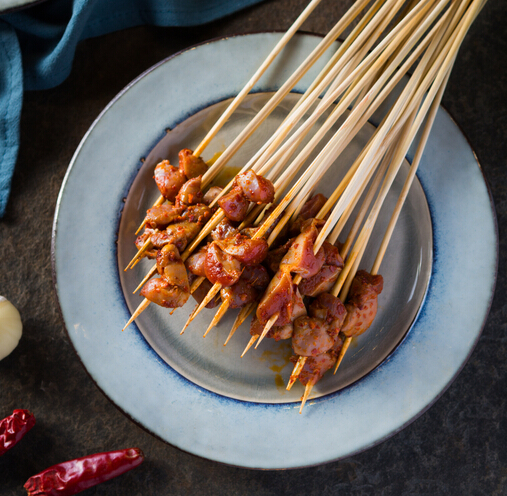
37	46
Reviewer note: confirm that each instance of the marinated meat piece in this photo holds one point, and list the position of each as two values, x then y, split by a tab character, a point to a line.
221	267
190	193
275	257
316	367
234	205
162	215
197	213
201	292
161	292
255	188
211	194
141	239
172	289
257	276
359	318
171	267
324	280
195	262
309	210
178	234
321	282
331	310
278	297
239	294
311	337
169	180
300	257
224	230
364	287
285	331
190	165
253	280
362	303
247	251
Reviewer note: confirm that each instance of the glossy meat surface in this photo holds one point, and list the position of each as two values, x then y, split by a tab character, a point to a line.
278	297
300	258
163	215
247	251
224	230
178	234
311	337
190	193
169	180
195	263
234	205
221	267
190	165
255	188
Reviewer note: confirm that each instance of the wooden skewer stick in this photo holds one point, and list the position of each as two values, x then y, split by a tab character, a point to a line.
220	313
242	315
308	389
267	327
138	312
249	345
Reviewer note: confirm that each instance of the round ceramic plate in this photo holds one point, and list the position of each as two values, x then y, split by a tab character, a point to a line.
162	382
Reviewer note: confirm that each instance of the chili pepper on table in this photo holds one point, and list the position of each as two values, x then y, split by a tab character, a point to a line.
14	427
74	476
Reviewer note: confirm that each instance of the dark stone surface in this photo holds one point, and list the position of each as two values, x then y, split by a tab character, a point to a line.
458	447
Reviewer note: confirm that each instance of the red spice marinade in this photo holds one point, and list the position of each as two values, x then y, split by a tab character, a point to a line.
74	476
14	427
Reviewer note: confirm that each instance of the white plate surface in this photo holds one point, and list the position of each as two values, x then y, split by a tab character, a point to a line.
218	426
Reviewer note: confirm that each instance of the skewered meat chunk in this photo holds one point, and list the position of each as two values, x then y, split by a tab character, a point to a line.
201	292
197	213
190	193
220	267
331	310
278	297
178	234
234	205
162	215
195	263
315	367
253	280
275	257
190	165
224	230
169	179
286	331
324	280
300	257
172	289
362	303
255	188
247	251
211	194
141	239
310	337
308	211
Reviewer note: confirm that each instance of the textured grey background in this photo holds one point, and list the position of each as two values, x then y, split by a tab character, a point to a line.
458	447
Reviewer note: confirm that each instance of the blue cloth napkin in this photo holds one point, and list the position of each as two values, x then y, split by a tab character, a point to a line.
37	46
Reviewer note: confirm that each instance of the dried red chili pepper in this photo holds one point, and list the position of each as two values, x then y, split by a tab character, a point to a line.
14	427
74	476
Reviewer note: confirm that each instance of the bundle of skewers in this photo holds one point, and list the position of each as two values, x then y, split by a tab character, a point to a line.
268	242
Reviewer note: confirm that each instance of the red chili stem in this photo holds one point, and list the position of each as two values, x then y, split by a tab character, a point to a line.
74	476
14	427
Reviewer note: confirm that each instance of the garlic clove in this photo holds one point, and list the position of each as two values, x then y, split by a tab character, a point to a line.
11	327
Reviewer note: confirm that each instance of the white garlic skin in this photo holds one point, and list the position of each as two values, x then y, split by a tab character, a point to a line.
11	327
